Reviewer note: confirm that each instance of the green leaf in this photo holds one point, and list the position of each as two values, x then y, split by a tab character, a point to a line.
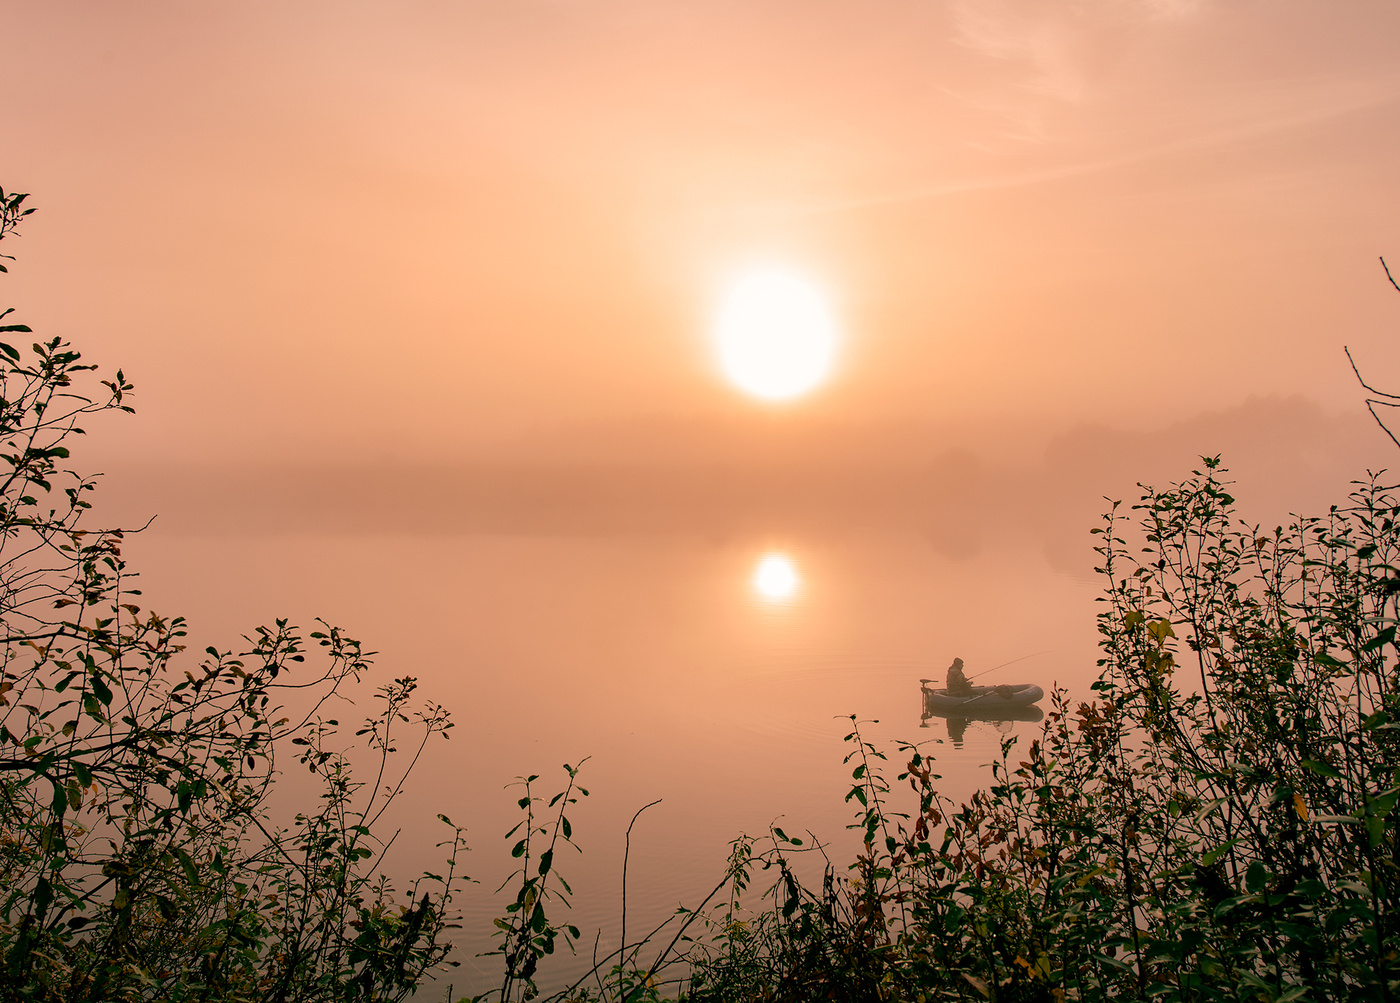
1212	856
43	897
1375	720
100	690
1256	877
1385	637
1384	803
1375	830
1321	769
187	863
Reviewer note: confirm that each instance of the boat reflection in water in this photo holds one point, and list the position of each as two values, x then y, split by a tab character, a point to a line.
1000	706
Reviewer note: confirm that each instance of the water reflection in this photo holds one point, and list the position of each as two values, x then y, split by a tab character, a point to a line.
775	577
659	657
1004	723
988	707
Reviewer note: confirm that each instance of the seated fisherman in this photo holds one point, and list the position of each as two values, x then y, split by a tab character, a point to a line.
957	684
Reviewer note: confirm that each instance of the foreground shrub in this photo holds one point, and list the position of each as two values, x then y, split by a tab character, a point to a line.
1219	823
140	857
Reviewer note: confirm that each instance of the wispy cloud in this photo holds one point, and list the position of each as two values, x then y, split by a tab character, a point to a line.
1270	109
1058	41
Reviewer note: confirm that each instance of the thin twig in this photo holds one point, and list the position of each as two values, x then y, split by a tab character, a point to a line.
567	992
1381	423
1382	393
626	852
685	926
1371	402
596	977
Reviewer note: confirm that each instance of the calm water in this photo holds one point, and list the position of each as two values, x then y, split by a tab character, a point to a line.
660	660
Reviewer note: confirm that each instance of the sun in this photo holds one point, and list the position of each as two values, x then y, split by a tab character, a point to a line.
775	577
776	334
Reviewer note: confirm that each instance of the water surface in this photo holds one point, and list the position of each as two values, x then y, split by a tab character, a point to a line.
659	658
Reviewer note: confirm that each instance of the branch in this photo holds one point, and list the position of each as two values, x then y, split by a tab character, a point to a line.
1369	407
1382	393
1371	402
626	851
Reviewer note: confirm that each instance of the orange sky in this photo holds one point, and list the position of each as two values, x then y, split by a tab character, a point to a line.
405	287
355	231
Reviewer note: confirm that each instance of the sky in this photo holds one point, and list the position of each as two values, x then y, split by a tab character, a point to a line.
370	236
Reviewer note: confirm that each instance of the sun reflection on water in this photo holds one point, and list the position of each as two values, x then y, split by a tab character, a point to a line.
775	577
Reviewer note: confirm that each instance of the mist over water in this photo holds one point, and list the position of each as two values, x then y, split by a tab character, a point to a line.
660	661
625	614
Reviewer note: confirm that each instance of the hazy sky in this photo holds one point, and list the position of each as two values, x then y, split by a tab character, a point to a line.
352	230
371	264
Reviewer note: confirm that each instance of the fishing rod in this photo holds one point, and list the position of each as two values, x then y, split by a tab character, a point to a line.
1002	665
1012	662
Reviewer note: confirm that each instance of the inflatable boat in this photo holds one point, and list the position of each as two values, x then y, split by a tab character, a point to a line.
996	715
984	701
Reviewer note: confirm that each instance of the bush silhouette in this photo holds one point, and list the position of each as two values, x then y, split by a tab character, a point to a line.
139	855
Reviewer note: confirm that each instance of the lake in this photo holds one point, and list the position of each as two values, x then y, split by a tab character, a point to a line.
657	658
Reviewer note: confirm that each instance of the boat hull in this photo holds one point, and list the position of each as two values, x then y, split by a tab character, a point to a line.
984	702
1025	712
